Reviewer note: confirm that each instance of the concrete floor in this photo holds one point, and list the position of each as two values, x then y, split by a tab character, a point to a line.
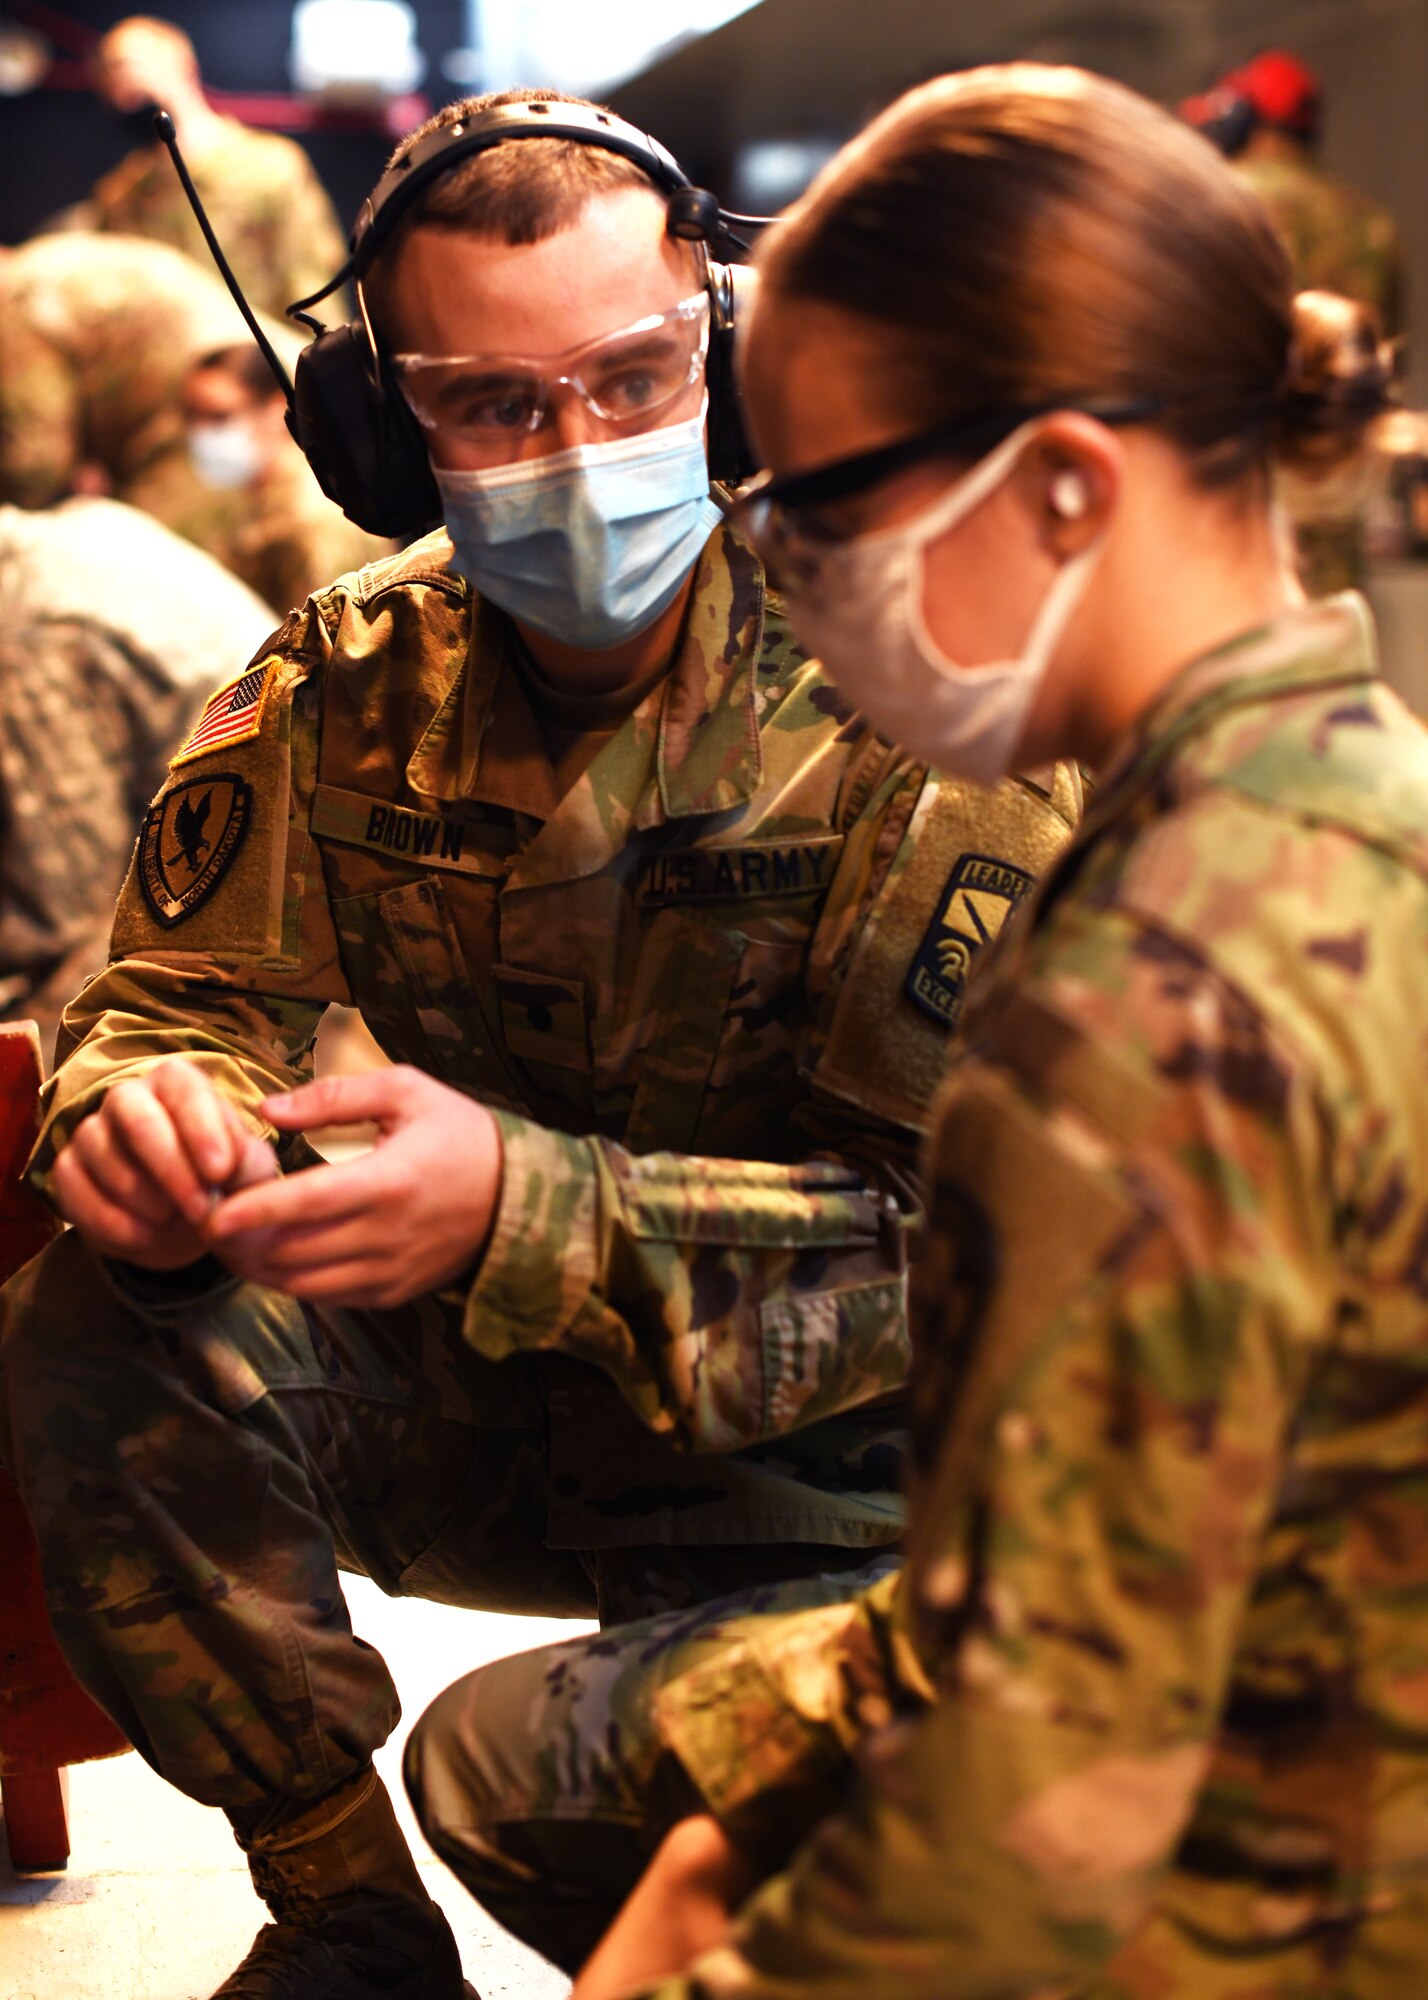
156	1902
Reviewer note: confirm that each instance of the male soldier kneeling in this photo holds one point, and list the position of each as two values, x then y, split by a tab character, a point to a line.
667	946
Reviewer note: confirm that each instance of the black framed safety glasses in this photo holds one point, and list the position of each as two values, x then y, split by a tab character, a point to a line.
843	478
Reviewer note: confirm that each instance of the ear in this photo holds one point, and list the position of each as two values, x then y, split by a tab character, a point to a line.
1071	480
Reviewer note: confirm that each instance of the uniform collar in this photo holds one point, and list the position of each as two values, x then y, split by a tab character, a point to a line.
692	745
1320	646
1324	644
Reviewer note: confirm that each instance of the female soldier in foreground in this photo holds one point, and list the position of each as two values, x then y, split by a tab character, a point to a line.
1147	1712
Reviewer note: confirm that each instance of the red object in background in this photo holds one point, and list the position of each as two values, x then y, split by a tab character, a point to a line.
1276	87
1283	90
285	111
46	1718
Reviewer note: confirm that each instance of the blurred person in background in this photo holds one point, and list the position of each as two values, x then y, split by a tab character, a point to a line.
113	633
96	336
1267	117
668	948
1142	1718
243	490
126	370
1339	239
267	206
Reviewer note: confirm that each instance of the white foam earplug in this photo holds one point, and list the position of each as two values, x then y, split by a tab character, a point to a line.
1068	495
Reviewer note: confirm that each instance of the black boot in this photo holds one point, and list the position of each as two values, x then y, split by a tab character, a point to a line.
353	1921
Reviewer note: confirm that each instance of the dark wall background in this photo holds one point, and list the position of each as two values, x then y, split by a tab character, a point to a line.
55	143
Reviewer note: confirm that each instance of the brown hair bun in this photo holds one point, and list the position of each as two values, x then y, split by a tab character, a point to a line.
1339	383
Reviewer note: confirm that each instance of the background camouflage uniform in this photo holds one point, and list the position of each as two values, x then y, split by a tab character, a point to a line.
112	634
707	988
269	210
1145	1720
1339	241
282	536
96	334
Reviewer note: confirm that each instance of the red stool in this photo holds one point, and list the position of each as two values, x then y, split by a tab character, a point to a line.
46	1719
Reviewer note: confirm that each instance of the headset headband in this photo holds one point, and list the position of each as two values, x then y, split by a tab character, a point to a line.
445	148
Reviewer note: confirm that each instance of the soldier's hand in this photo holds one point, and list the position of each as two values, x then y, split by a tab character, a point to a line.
404	1219
679	1909
138	1177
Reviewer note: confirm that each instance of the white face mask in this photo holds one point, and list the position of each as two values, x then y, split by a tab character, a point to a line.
862	617
226	454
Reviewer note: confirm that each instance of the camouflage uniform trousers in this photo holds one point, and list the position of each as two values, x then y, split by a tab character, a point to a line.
543	1781
198	1470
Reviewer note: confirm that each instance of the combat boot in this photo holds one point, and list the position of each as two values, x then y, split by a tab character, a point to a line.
352	1919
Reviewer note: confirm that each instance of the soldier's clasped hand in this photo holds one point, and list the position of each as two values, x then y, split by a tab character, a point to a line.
406	1218
138	1177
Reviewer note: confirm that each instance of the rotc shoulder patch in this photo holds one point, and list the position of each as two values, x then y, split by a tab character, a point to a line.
187	841
980	895
233	715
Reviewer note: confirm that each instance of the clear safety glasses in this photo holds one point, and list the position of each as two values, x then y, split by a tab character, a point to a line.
625	379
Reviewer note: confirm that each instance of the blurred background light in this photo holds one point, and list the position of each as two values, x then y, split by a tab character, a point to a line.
24	58
576	45
355	50
770	173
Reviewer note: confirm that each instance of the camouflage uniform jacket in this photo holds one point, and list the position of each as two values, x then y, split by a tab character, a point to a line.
96	333
1154	1683
1339	240
708	990
268	209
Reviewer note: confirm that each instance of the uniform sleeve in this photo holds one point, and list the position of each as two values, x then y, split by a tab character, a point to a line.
1100	1411
223	948
732	1302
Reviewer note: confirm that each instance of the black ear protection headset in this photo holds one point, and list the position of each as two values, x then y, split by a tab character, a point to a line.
349	417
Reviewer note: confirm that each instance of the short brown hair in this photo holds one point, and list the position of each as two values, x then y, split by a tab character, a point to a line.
1024	235
519	192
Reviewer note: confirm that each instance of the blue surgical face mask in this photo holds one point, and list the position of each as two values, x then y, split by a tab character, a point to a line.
590	545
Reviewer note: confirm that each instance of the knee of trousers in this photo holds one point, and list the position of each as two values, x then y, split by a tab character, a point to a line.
57	1315
564	1735
66	1345
82	1366
519	1794
62	1308
449	1781
476	1765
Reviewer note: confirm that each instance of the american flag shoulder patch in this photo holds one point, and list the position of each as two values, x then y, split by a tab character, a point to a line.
233	715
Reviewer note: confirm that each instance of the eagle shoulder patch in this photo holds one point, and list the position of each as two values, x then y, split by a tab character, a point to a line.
188	841
981	894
